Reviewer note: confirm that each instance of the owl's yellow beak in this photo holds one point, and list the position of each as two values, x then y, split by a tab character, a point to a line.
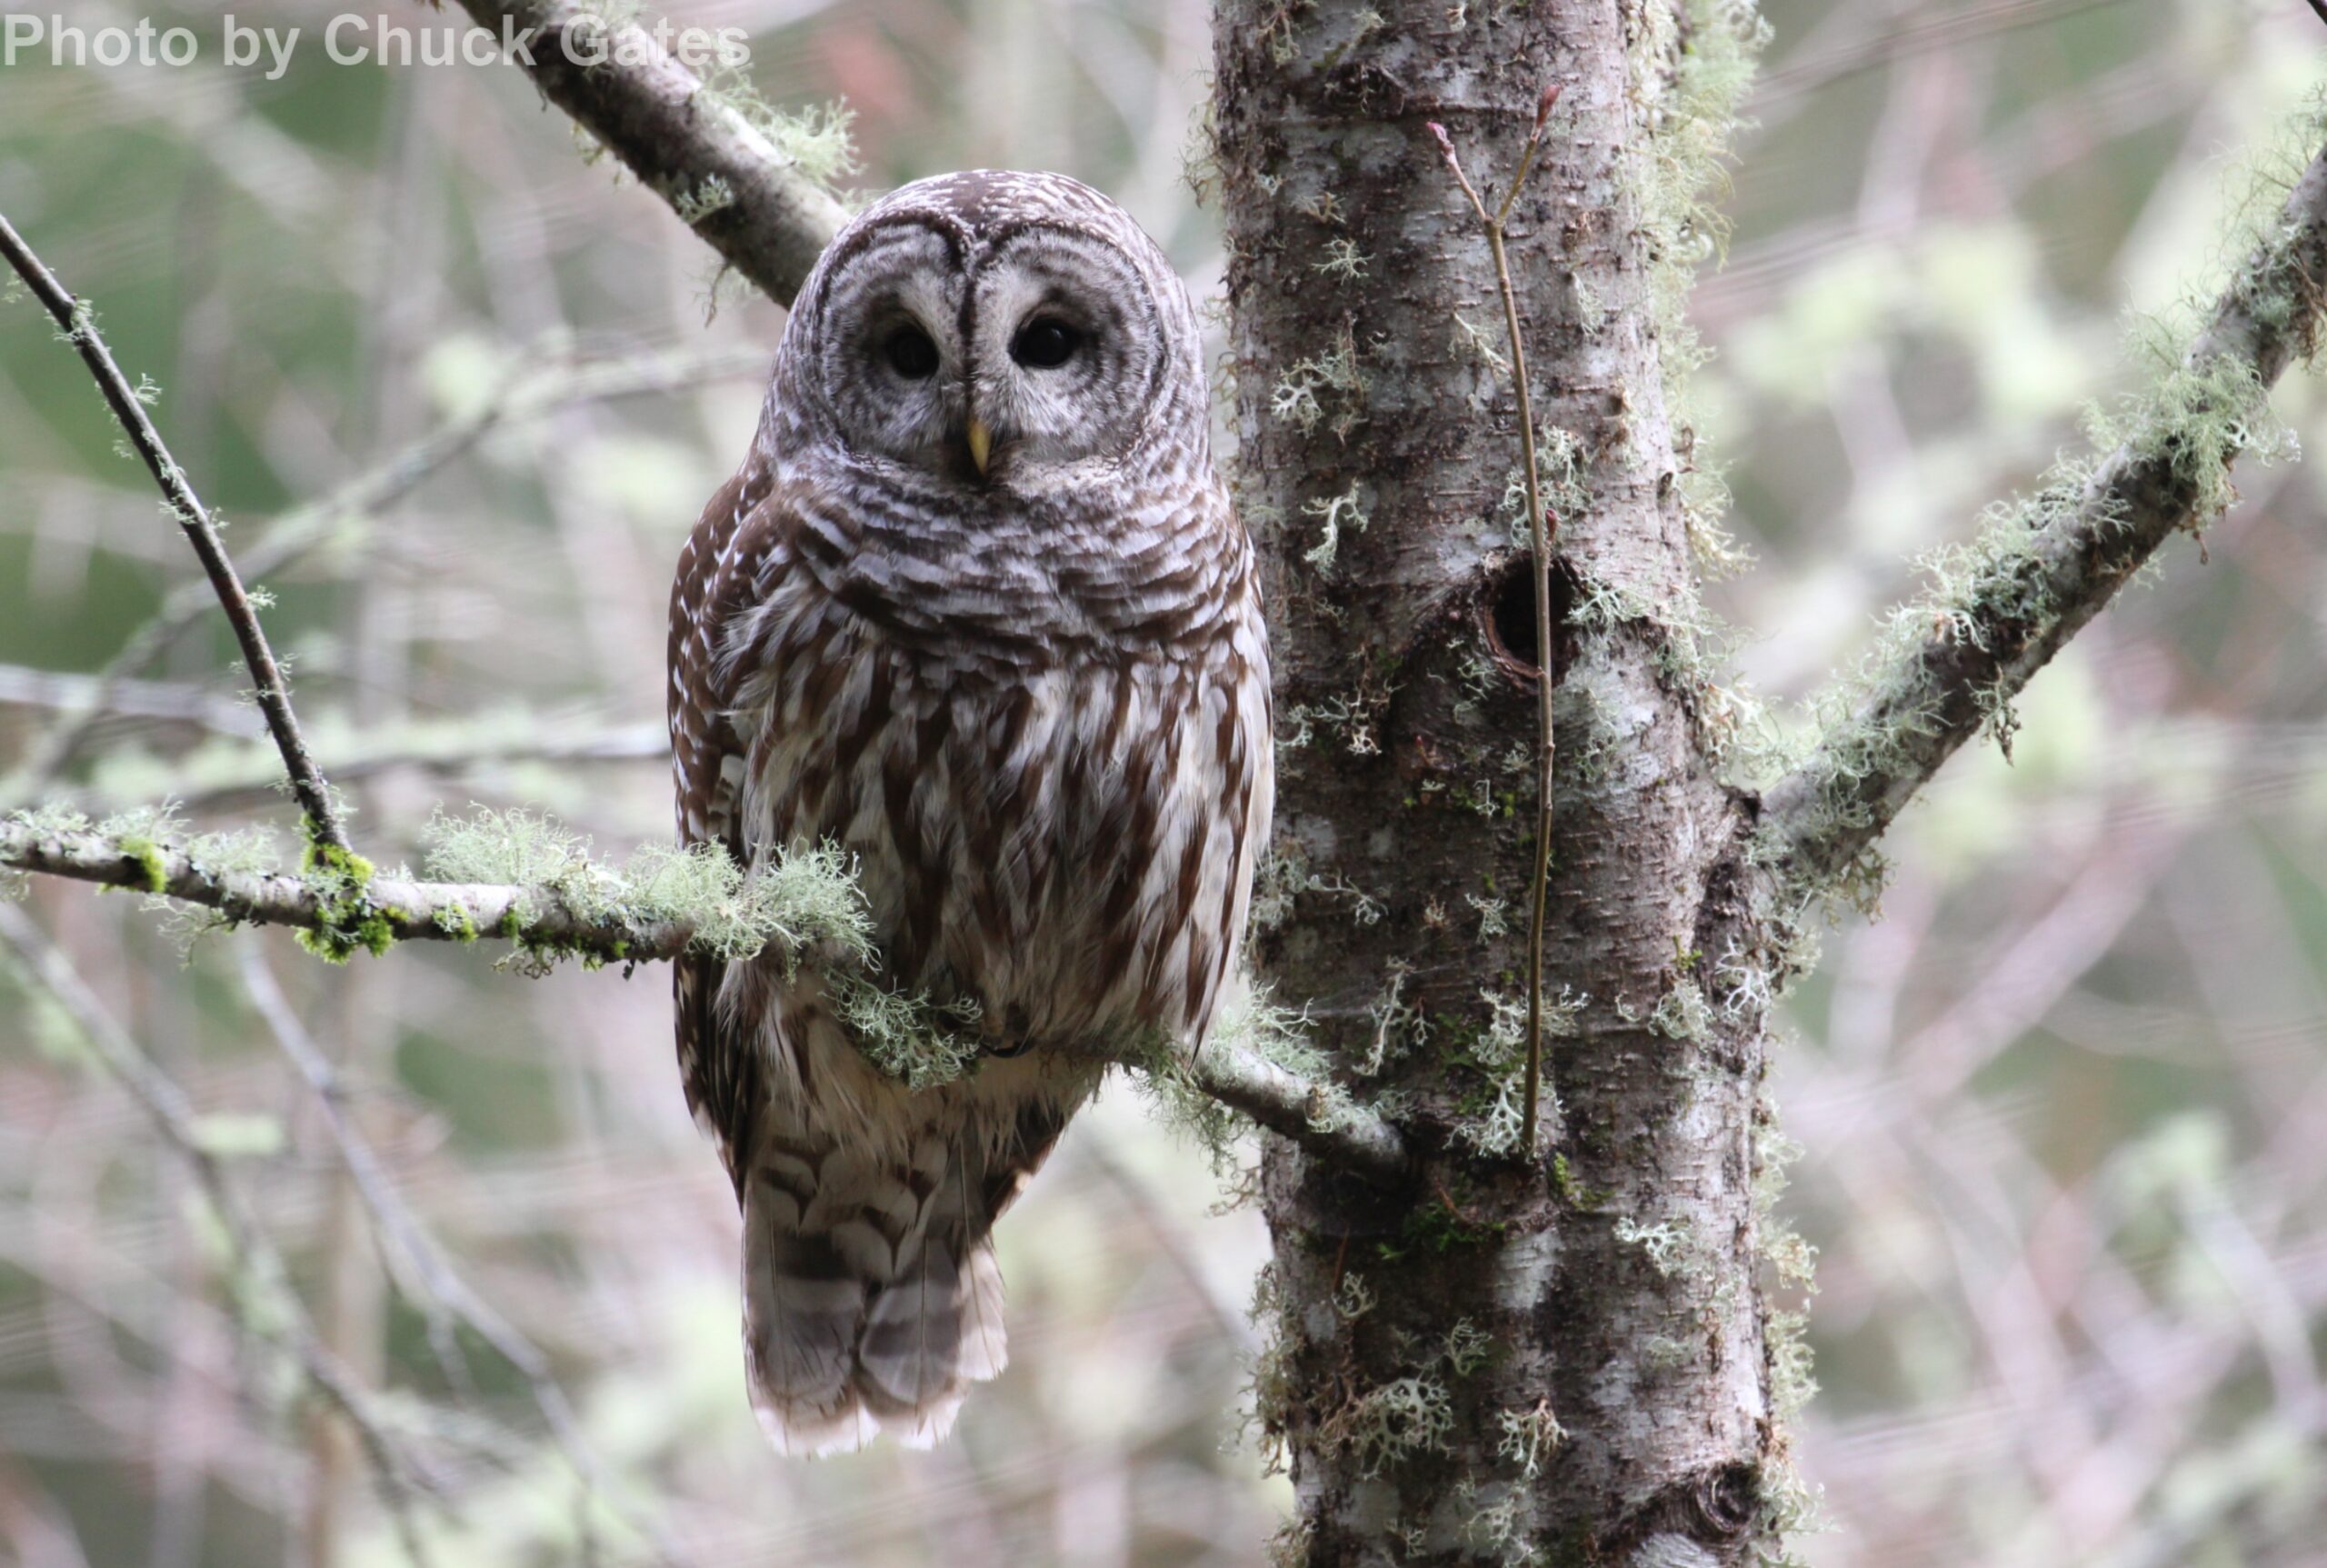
981	444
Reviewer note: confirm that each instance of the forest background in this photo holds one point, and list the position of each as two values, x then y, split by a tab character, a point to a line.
2062	1113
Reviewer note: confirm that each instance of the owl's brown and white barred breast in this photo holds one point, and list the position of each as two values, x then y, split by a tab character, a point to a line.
1022	677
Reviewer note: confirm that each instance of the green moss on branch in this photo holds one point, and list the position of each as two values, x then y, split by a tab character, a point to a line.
527	881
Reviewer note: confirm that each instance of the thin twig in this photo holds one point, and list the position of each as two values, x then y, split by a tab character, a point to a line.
1542	527
527	392
77	320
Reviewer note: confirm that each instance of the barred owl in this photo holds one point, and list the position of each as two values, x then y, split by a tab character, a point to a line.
976	609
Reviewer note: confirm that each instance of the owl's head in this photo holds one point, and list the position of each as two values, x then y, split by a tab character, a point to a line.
996	329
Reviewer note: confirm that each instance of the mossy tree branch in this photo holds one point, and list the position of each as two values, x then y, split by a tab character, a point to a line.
2049	567
340	913
768	219
387	908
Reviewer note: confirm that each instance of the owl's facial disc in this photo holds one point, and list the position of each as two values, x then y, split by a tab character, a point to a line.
1017	359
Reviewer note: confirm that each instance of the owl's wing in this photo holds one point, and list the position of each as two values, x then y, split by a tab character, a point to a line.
723	556
1242	775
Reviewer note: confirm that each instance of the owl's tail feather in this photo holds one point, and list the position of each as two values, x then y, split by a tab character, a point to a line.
871	1301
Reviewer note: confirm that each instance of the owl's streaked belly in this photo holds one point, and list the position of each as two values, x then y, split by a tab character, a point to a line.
1064	845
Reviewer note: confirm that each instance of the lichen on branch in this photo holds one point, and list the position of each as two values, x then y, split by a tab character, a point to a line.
747	180
510	876
525	880
1952	662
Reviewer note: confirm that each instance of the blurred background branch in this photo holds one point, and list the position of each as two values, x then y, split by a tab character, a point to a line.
532	386
257	1280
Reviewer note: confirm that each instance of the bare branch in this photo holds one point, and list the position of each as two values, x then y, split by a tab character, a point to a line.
771	221
78	323
1984	641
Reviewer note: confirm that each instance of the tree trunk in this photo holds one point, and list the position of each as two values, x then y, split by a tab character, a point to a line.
1556	1355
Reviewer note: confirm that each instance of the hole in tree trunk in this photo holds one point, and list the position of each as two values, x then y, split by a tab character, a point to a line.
1510	616
1730	1498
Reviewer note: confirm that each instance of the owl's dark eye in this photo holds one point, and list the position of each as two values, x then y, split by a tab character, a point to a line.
1045	343
910	353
